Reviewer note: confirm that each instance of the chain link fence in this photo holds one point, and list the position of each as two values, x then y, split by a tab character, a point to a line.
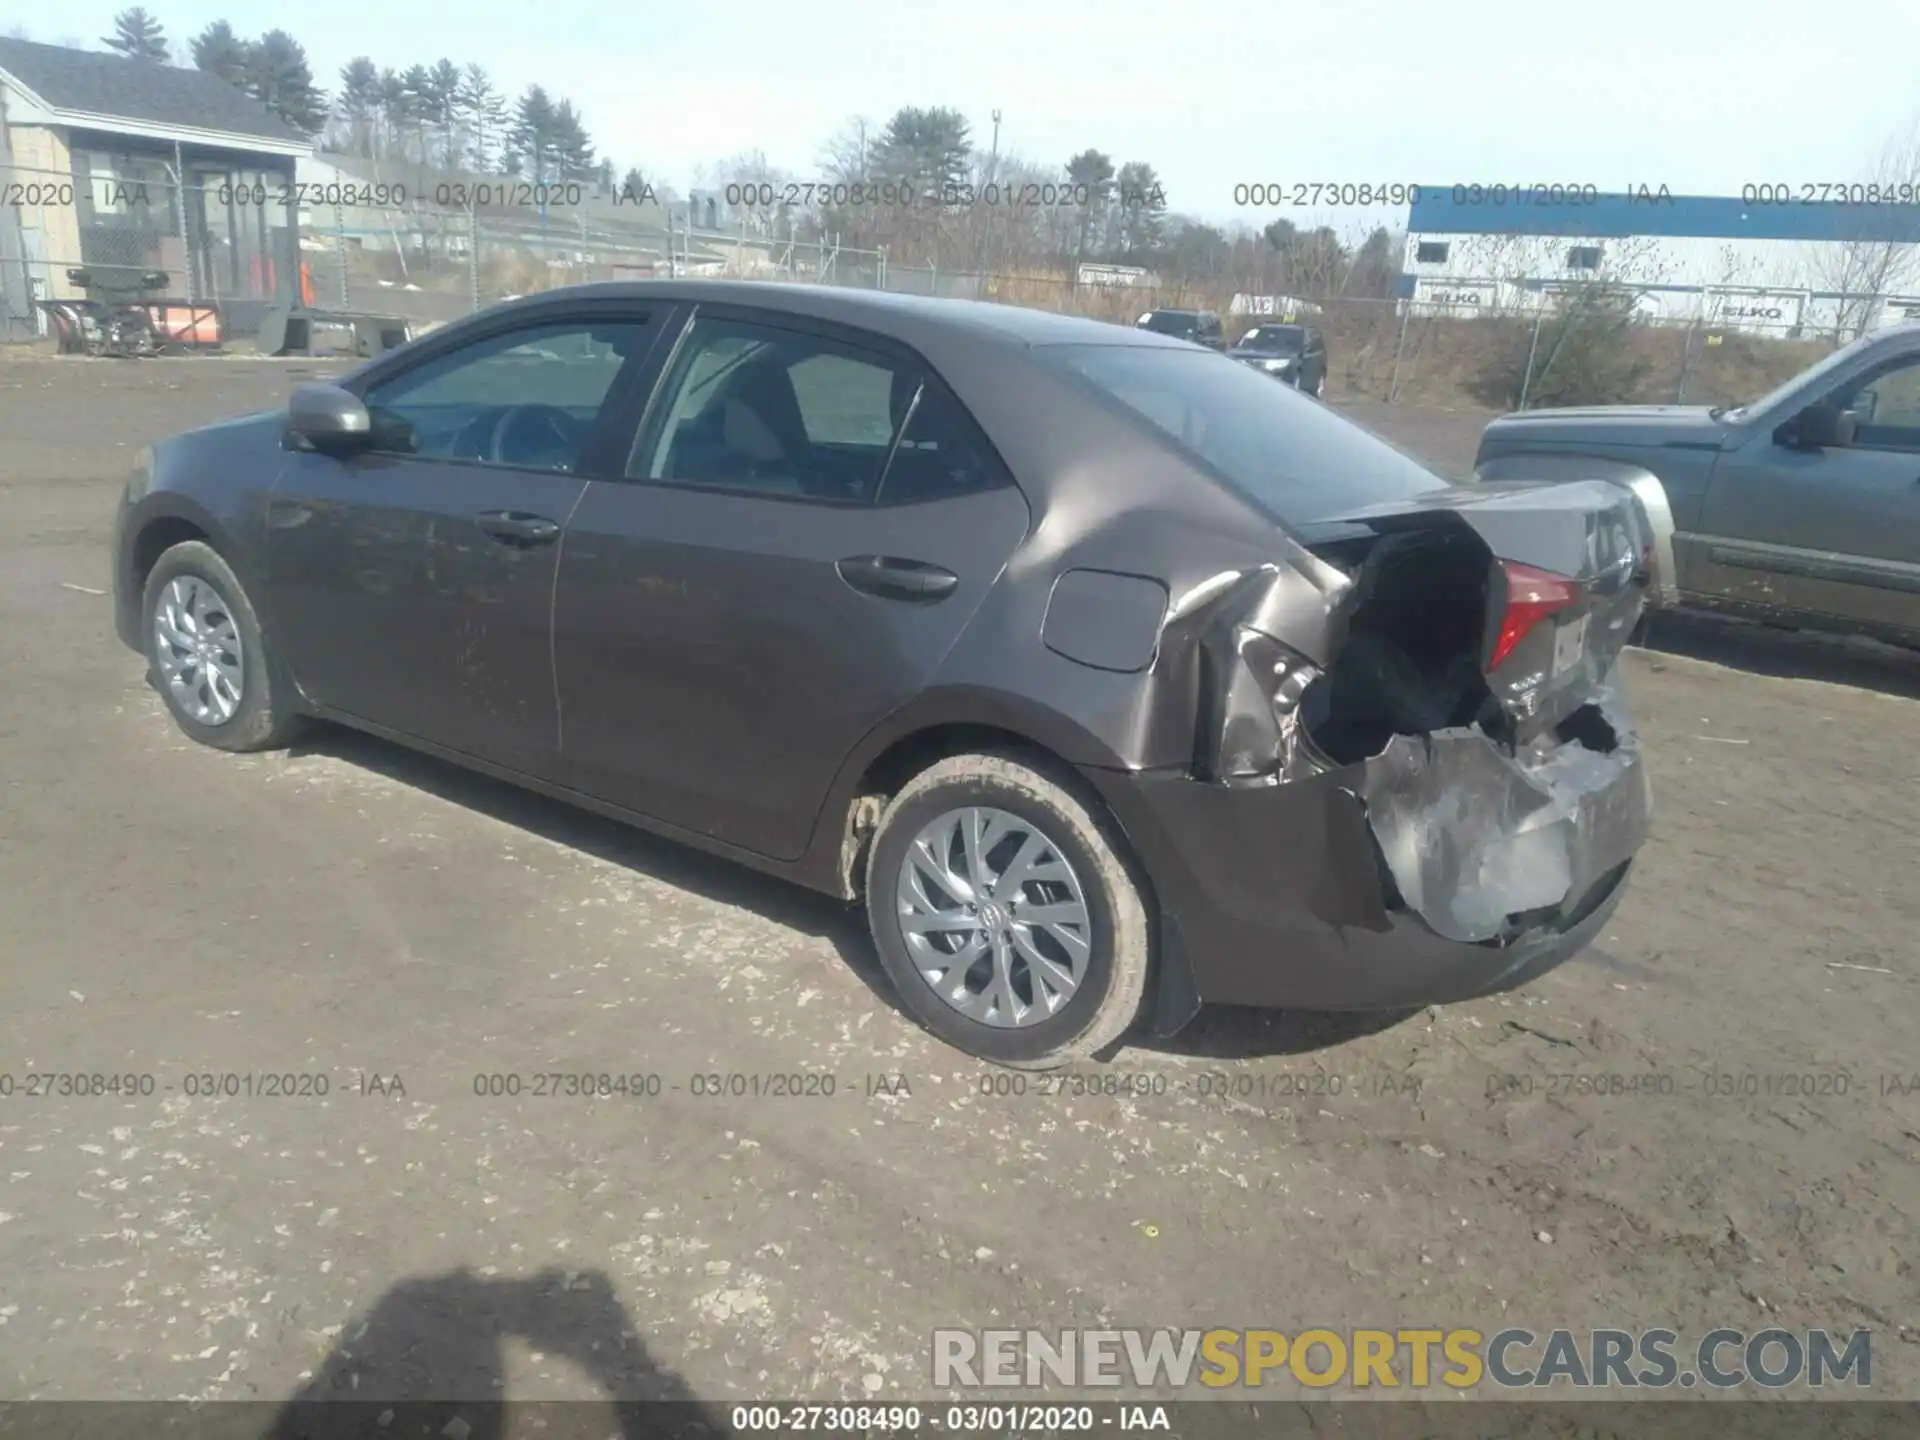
251	242
144	236
433	265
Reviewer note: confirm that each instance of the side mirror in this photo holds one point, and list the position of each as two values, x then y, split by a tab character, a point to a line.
1822	427
1863	406
328	418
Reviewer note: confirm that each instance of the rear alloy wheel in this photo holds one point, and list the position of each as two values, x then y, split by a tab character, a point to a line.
209	661
1006	913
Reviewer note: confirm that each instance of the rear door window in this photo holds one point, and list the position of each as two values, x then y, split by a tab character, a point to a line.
774	411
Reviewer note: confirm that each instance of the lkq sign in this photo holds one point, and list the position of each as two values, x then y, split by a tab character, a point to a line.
1769	312
1455	296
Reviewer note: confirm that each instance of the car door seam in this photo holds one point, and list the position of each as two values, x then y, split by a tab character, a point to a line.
553	619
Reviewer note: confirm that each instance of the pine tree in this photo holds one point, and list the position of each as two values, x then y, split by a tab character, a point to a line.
531	140
138	36
359	104
442	94
279	77
572	150
219	51
484	115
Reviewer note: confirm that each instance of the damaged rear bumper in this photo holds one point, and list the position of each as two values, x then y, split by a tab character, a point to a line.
1442	868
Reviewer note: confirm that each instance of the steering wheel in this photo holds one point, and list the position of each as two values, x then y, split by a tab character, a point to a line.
532	435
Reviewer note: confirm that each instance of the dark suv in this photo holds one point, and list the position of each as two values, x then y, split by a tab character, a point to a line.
1296	354
1202	327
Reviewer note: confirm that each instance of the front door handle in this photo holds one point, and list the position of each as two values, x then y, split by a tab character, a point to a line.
894	579
515	527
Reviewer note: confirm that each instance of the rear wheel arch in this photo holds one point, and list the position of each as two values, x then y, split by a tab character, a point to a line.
910	751
912	754
927	731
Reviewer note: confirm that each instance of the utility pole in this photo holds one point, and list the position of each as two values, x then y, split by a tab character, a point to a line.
986	217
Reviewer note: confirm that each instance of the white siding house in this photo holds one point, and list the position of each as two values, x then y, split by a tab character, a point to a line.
1776	267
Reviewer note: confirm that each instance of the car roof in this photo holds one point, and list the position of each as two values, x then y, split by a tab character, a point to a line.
911	319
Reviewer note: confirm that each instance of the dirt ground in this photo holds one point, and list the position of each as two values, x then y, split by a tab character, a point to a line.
405	930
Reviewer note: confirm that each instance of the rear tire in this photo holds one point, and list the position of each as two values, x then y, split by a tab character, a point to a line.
201	636
1009	1009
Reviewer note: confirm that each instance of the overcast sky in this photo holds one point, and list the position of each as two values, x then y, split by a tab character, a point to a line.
1701	95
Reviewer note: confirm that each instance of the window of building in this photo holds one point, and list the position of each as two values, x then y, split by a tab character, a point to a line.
1430	252
1583	257
131	189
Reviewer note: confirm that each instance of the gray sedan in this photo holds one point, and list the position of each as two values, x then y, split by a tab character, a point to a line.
1108	675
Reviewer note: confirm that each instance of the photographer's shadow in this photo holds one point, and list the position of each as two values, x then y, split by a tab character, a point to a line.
430	1359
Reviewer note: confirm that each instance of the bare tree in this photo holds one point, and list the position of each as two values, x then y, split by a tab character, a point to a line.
1873	259
847	154
748	187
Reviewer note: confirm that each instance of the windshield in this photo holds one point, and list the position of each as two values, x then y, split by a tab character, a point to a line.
1294	458
1171	322
1804	378
1273	339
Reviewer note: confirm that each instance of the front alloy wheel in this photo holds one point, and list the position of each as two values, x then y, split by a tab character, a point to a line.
198	650
207	657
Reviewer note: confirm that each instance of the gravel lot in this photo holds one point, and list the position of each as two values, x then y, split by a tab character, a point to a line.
352	911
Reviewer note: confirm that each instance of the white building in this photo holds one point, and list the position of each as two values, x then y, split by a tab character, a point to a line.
1777	266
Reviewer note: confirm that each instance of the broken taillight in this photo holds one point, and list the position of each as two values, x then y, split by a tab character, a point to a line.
1532	595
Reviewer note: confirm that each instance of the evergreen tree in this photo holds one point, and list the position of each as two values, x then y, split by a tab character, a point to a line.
359	104
279	77
218	51
531	139
483	114
138	36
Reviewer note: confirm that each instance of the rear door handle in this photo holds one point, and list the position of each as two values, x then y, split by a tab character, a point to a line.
895	579
515	527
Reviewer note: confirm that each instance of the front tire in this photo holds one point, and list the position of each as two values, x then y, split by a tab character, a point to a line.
1008	914
207	657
